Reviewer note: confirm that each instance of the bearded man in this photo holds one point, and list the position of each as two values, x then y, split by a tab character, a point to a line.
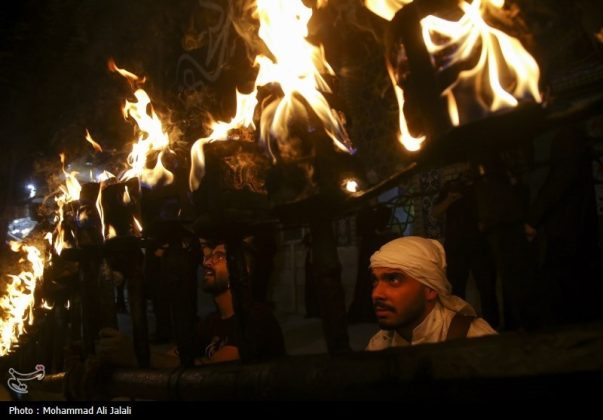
412	300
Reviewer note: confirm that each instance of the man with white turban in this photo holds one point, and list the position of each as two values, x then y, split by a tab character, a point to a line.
412	300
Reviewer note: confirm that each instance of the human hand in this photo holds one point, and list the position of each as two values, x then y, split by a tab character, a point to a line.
116	348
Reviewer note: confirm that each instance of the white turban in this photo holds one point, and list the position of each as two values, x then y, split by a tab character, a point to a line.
425	261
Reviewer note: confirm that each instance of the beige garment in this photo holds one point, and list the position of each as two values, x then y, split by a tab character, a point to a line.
433	329
425	261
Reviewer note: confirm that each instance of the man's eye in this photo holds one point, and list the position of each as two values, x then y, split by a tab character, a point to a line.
395	279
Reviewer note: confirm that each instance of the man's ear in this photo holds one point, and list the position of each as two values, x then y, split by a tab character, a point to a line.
430	294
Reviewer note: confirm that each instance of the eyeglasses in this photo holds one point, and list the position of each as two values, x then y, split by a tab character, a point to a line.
214	257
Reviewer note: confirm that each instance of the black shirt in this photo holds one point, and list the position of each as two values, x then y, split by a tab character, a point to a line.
263	335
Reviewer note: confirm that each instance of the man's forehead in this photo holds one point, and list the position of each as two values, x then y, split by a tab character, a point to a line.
209	248
385	270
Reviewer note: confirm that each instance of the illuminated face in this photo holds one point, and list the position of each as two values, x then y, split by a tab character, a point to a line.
399	300
215	273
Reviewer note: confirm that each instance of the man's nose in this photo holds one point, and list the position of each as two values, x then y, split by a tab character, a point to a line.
379	290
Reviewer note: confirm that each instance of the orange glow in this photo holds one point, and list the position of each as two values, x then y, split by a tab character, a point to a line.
16	305
501	57
95	145
297	67
137	225
385	8
67	193
125	73
153	140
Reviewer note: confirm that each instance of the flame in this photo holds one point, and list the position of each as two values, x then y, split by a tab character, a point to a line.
46	305
95	145
153	140
99	208
105	176
137	225
385	8
17	303
297	66
126	196
411	143
500	53
243	118
67	193
72	187
125	73
111	233
67	304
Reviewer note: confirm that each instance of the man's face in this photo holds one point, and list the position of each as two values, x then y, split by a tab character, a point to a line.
215	270
398	299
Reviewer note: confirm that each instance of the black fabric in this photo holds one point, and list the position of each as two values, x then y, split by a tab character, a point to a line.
461	217
467	249
459	326
263	334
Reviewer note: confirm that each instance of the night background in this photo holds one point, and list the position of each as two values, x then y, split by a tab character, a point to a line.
56	84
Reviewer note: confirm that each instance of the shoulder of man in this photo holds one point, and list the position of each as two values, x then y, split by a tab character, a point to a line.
380	341
464	326
480	327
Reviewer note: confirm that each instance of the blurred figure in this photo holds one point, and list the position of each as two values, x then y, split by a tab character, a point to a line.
563	219
501	207
467	248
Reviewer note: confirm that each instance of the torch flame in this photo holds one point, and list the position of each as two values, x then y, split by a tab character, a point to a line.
16	305
137	225
67	193
46	305
126	196
297	66
500	55
385	8
243	118
153	139
111	233
125	73
95	145
499	52
411	143
105	176
99	209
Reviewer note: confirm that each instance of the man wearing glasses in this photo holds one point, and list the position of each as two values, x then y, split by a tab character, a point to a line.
219	335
